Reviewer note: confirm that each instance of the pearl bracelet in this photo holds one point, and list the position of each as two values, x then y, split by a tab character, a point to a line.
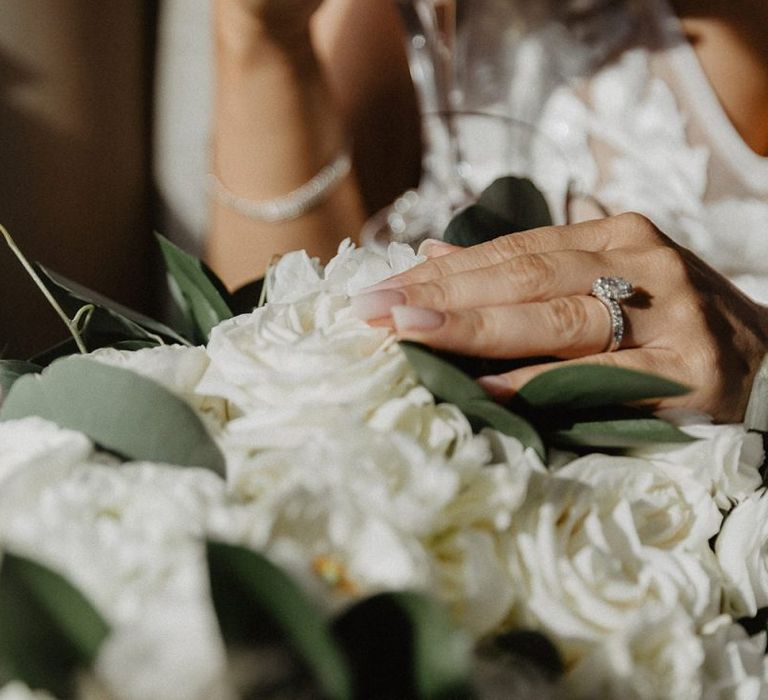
291	206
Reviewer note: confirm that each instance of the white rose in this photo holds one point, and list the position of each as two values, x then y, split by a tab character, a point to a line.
657	657
583	570
173	651
122	533
296	275
669	508
468	545
735	665
18	691
725	459
742	550
440	428
130	538
175	367
345	507
311	353
32	442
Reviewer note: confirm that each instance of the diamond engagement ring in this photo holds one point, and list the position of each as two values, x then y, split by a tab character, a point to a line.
610	291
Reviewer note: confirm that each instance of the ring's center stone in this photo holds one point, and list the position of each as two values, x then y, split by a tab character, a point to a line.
616	288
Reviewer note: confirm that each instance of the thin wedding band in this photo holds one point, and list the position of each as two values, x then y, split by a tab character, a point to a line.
610	291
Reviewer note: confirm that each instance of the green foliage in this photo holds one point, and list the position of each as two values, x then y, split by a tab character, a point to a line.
11	370
573	406
613	428
572	387
199	294
448	383
118	409
443	379
404	645
257	604
48	630
510	204
394	645
108	322
489	414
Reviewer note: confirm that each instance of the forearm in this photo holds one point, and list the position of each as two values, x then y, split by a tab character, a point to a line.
275	127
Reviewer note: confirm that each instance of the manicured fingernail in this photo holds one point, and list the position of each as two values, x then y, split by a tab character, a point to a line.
433	248
495	386
416	318
370	305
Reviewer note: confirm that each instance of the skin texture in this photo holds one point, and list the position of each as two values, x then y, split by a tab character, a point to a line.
520	296
527	295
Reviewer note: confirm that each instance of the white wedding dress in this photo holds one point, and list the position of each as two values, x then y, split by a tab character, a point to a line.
628	102
622	94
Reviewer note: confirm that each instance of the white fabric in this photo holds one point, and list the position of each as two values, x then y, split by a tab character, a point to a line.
644	131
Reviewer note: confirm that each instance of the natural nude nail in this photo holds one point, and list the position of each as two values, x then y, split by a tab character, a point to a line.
432	247
370	305
416	318
495	386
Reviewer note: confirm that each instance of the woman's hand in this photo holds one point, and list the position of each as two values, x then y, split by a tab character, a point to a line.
528	295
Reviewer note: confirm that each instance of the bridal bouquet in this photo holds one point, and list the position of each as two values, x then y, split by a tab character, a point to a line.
286	502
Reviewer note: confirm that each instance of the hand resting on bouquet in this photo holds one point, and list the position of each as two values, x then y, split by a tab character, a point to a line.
528	295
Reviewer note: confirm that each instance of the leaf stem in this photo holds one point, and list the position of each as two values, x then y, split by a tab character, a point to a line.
70	324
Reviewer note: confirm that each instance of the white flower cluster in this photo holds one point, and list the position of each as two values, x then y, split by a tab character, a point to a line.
345	471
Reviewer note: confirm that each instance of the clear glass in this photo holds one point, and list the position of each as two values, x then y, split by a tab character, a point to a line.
459	53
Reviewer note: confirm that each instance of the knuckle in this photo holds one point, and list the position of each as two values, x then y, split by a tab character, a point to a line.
478	327
435	295
568	319
533	273
638	226
501	249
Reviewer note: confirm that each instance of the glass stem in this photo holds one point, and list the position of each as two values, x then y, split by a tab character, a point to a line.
431	26
442	25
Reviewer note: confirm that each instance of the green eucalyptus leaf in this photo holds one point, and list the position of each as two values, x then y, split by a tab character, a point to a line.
475	225
110	322
510	204
179	312
487	413
405	645
578	386
444	380
120	410
533	647
618	434
205	302
518	200
11	370
256	604
48	630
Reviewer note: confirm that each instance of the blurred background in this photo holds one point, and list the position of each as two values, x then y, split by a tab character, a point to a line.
102	140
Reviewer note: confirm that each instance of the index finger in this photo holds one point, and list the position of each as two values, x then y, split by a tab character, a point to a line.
590	236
